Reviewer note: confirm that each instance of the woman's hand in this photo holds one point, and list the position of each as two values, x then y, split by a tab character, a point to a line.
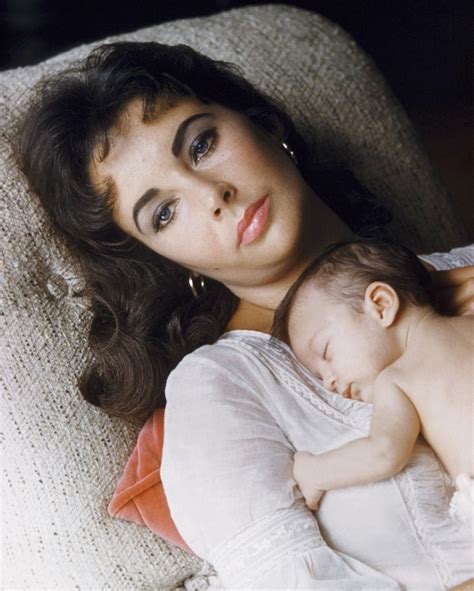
303	473
454	290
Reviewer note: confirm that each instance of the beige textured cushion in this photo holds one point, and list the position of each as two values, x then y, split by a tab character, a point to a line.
61	458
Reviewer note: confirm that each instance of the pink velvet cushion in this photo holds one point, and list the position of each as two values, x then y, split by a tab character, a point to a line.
139	496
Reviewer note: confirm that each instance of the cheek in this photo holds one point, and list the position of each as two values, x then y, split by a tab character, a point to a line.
375	359
356	357
190	249
308	361
189	239
248	167
256	156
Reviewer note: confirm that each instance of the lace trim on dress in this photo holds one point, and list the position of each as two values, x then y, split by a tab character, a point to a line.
423	485
426	491
302	382
270	541
279	360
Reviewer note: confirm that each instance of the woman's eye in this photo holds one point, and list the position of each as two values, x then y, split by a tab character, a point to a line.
202	145
162	217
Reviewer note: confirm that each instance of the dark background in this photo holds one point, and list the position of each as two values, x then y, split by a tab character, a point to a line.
423	47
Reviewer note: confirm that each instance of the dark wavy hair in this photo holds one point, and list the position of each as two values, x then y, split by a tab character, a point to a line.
344	270
145	317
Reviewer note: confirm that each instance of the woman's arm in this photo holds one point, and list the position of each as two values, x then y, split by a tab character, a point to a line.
385	451
227	475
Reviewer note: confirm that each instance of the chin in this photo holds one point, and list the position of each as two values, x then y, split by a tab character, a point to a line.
279	247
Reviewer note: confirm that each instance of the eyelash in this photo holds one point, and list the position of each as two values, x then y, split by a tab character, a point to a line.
325	352
205	136
157	224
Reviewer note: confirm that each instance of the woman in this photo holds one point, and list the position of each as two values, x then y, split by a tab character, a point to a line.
177	181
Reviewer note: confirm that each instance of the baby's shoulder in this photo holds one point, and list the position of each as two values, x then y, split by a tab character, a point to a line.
441	340
391	375
396	377
435	355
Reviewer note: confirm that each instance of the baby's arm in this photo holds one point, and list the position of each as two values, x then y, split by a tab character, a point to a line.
393	431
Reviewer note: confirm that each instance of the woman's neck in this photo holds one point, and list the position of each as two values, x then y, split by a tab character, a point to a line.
258	303
249	316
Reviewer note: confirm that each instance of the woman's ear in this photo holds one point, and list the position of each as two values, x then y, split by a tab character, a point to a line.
381	301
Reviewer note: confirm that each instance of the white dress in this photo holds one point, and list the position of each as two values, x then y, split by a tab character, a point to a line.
237	411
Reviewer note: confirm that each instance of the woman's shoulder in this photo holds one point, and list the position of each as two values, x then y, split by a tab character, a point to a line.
219	390
239	357
235	347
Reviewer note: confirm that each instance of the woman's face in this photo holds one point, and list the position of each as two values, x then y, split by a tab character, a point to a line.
203	186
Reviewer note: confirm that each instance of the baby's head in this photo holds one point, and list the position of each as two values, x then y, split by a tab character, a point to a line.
343	317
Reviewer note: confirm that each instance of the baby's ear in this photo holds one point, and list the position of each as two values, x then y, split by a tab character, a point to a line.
381	301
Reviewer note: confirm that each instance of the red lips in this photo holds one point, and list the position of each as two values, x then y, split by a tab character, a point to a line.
253	221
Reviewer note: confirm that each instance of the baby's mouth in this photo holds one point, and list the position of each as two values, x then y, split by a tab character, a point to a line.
347	392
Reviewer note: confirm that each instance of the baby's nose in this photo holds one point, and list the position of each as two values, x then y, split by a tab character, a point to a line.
330	382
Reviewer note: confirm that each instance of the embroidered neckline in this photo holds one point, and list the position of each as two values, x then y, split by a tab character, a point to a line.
277	357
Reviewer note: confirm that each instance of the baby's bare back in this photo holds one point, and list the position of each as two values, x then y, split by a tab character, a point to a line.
436	372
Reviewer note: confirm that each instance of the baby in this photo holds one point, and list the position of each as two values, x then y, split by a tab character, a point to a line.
361	319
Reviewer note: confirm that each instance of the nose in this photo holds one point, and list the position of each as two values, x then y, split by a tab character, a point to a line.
329	380
216	196
224	197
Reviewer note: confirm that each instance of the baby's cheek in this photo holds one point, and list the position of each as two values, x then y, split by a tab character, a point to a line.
372	375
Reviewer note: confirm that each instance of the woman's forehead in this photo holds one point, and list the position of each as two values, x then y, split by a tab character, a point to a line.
133	130
133	117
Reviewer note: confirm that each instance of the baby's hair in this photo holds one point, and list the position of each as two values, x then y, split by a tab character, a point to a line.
345	269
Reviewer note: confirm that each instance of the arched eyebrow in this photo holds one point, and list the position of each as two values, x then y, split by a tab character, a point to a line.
176	148
144	199
181	131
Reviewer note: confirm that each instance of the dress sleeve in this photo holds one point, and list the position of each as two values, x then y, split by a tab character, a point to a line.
227	474
457	257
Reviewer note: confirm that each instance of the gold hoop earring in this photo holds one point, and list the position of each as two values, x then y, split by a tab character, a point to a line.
289	151
197	291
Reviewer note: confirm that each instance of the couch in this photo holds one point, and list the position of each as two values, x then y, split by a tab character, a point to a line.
62	458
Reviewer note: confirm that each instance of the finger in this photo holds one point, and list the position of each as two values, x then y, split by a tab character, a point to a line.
467	309
452	277
450	308
443	298
455	300
462	294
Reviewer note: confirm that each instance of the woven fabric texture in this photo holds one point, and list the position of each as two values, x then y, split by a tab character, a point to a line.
61	458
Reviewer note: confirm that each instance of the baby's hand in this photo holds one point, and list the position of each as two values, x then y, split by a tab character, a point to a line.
303	473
